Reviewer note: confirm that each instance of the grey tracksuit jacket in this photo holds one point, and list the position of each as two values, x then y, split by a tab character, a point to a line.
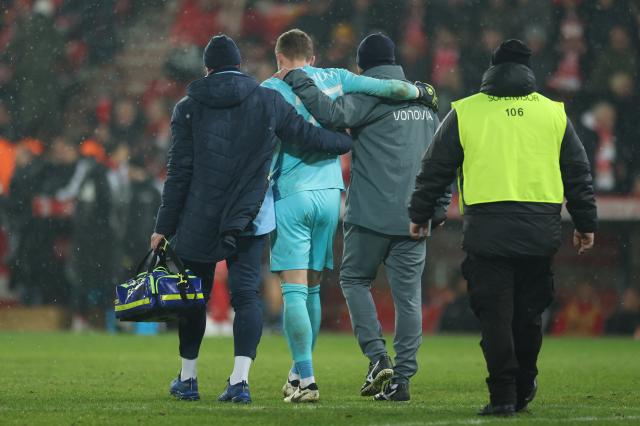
391	139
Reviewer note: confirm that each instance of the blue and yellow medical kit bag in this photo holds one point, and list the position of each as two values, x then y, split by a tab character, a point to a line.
158	294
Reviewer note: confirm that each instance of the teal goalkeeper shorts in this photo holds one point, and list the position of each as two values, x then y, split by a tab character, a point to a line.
306	225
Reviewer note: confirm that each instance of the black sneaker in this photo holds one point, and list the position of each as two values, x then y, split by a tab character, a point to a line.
379	372
498	410
523	401
394	392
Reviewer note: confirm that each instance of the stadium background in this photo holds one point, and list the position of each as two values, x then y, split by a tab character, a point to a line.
88	85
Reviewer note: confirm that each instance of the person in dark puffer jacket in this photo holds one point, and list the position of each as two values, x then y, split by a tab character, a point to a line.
224	133
519	158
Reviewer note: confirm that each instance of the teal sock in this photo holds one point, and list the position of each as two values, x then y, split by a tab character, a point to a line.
297	326
314	308
315	312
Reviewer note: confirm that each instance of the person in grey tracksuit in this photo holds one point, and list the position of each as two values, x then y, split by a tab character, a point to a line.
391	139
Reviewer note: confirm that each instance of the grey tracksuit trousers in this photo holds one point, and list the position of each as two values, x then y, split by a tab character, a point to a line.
404	259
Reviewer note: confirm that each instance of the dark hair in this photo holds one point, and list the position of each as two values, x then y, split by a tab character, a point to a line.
295	44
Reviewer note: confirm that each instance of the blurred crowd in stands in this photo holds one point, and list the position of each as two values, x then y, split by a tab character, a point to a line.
578	310
87	87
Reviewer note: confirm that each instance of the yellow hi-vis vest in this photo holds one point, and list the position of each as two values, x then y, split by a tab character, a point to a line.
511	148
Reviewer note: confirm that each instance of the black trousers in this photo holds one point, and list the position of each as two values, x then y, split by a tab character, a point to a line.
508	295
244	285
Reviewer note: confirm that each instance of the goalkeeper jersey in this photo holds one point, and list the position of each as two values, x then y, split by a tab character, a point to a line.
295	171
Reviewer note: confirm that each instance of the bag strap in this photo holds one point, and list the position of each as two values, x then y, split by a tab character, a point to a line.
144	260
165	252
154	259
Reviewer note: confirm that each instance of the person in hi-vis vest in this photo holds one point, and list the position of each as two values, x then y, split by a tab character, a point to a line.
517	158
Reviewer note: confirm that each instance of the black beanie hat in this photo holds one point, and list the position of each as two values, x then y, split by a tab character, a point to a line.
221	52
512	50
376	49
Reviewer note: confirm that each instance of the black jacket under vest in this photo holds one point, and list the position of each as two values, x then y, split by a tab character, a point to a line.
507	229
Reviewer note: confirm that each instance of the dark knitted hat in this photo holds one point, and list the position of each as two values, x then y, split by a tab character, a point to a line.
512	50
221	52
376	49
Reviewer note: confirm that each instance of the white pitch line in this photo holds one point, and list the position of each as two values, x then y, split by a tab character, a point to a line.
384	407
606	407
588	419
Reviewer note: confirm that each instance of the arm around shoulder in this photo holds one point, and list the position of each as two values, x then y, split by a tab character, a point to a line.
343	112
385	88
291	127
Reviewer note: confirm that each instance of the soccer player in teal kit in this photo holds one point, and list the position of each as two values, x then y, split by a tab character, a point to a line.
307	204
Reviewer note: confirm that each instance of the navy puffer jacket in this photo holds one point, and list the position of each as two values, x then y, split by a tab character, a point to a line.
224	133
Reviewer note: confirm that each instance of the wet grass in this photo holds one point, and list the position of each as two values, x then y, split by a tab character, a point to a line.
122	379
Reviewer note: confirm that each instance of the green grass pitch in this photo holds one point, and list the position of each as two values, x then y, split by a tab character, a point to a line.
88	379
